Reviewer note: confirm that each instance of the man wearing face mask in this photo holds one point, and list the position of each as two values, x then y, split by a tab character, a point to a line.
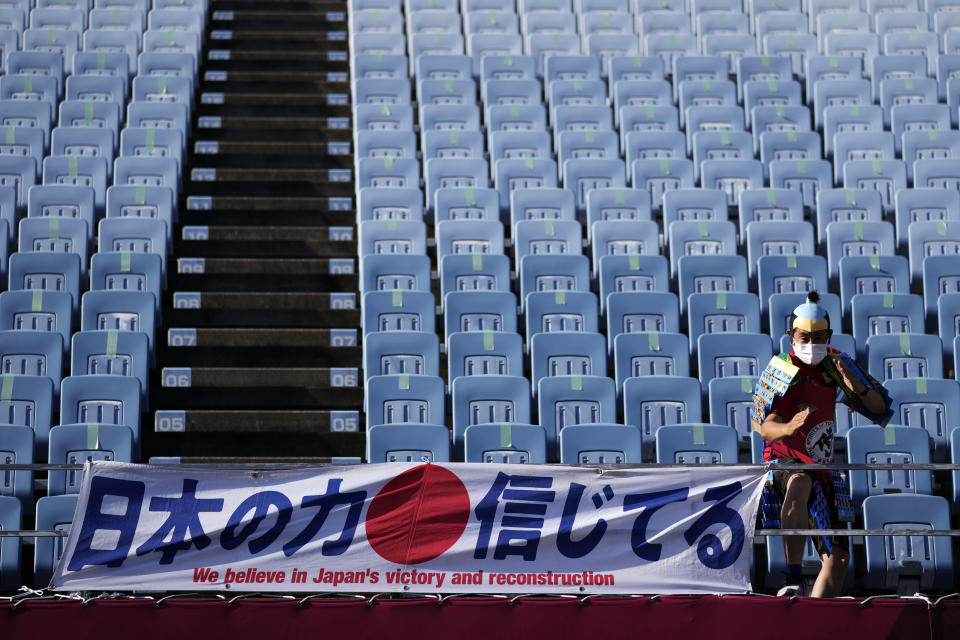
796	400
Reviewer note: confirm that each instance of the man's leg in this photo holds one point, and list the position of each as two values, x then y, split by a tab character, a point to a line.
794	515
834	570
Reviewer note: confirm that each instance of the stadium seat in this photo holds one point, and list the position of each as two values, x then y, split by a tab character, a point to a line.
553	273
568	400
484	353
398	310
121	310
872	274
10	520
404	399
632	273
696	444
650	353
700	237
466	204
487	400
546	237
807	176
650	402
780	238
37	310
566	354
720	355
560	312
905	356
389	272
468	237
929	239
541	204
789	274
941	276
600	444
505	443
884	313
624	237
403	442
857	238
16	447
402	204
893	444
392	237
54	513
473	273
721	312
693	204
468	311
47	271
927	403
78	443
731	403
759	205
400	352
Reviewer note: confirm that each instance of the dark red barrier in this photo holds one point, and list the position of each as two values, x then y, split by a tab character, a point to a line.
704	617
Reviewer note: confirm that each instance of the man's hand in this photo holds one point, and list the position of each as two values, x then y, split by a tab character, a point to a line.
798	419
850	380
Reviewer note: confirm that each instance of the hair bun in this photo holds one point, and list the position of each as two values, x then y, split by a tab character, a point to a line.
813	297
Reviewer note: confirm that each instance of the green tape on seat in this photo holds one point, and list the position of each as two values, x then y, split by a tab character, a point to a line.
378	57
6	391
702	228
698	434
72	166
508	60
932	133
843	16
772	85
722	17
790	40
664	166
802	165
51	35
54	227
576	383
448	85
908	83
708	84
403	382
101	59
888	301
116	15
875	165
528	163
889	436
905	344
140	193
634	261
725	137
834	62
791	136
388	163
488	341
125	261
851	196
471	195
28	83
454	136
477	261
171	37
36	300
914	35
650	111
384	109
151	139
392	224
492	17
506	437
378	15
397	298
619	196
791	261
606	18
555	38
514	110
637	61
941	227
779	110
722	300
11	135
772	197
88	112
922	386
855	110
93	436
746	384
858	229
112	336
672	39
653	340
578	84
764	61
875	262
590	135
560	297
162	83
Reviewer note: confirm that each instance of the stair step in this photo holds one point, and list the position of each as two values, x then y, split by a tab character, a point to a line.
245	128
230	149
257	387
263	266
321	423
192	338
257	309
274	19
247	233
195	346
305	248
257	398
268	160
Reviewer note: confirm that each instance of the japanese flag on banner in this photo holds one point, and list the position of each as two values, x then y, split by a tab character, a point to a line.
419	528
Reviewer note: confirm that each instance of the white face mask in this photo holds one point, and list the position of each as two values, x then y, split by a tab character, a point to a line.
810	354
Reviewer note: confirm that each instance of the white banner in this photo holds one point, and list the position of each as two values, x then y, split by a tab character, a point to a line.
418	528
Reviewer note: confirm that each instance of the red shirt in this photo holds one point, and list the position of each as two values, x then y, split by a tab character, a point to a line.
813	442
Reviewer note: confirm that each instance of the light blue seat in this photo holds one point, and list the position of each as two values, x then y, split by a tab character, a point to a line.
603	22
79	171
600	444
385	203
928	403
917	43
857	118
883	176
78	443
653	401
16	447
457	145
721	312
701	93
860	238
491	22
541	204
515	118
546	237
505	443
721	145
575	92
486	311
401	352
654	145
392	237
404	399
569	400
441	22
29	403
927	239
449	173
907	564
27	114
511	174
14	17
484	45
758	205
55	235
941	276
641	312
24	141
778	239
166	63
758	68
701	237
947	63
781	306
862	44
10	520
617	205
948	321
579	152
140	201
820	67
711	274
484	353
85	141
548	20
846	205
163	90
560	311
152	143
372	117
37	310
907	355
647	119
731	404
885	313
731	46
936	174
102	115
693	204
669	46
54	513
398	310
566	354
112	353
640	93
47	271
861	145
732	177
696	444
520	144
119	310
789	274
659	21
389	272
86	399
487	399
474	273
789	145
447	91
918	117
809	177
44	70
400	173
379	65
910	91
650	353
791	118
466	204
32	353
160	40
135	235
553	273
19	172
441	67
924	205
771	93
720	355
570	67
657	176
408	443
96	88
506	68
872	274
580	118
8	215
125	271
712	118
624	237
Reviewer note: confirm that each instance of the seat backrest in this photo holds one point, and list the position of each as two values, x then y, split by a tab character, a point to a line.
696	444
650	402
404	399
484	353
505	443
731	403
487	400
78	443
893	444
600	444
54	513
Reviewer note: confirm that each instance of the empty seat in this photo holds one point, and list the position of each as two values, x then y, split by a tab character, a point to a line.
710	274
566	354
693	204
931	239
884	176
404	399
37	310
924	205
885	313
85	141
546	237
641	311
777	239
600	444
79	443
80	171
62	201
622	237
27	401
54	513
926	403
553	273
651	402
32	353
19	172
721	355
388	272
857	239
657	176
760	205
650	353
941	277
541	204
408	443
789	274
505	443
701	237
135	235
696	444
905	356
395	237
731	403
872	274
47	271
10	520
788	119
466	311
809	177
398	310
487	400
893	444
511	174
560	311
616	204
484	353
474	273
846	205
721	312
466	204
382	203
568	400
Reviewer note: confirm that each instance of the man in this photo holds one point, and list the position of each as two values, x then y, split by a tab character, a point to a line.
798	427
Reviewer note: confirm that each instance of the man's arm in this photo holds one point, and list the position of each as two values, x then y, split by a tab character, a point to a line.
774	428
872	400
